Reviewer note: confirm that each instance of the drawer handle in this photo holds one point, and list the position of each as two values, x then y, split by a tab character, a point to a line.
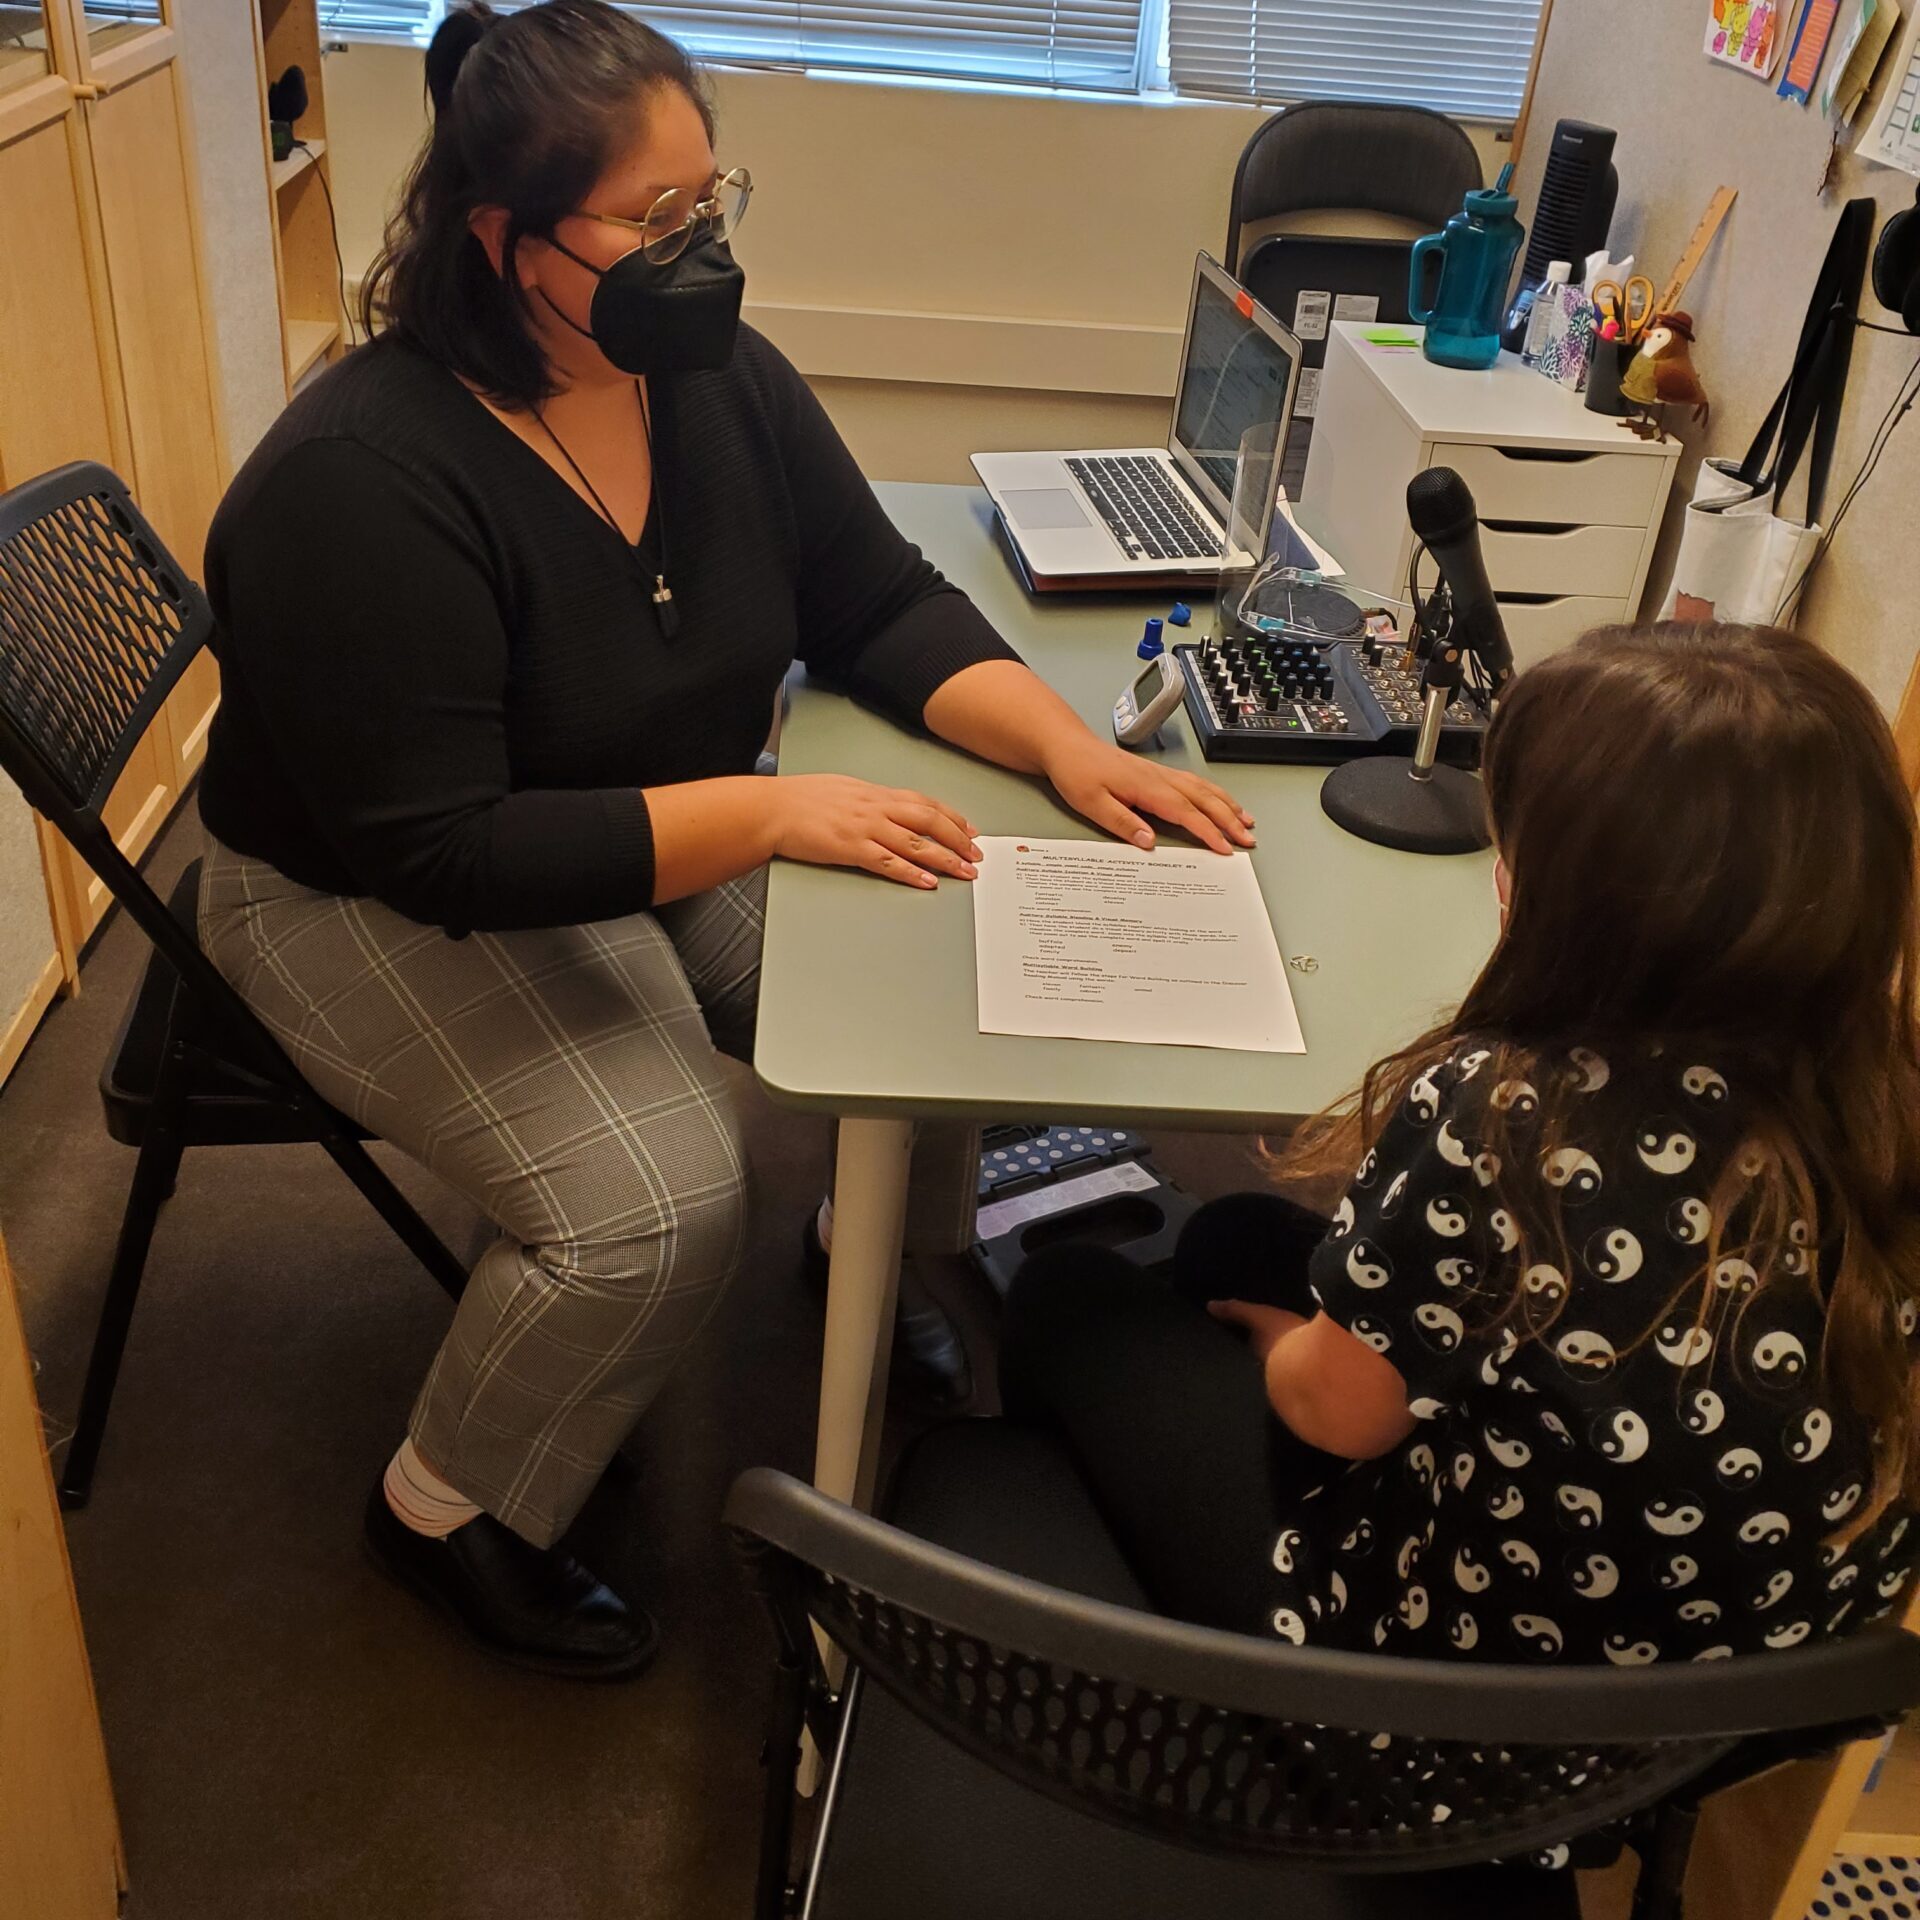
1550	527
1557	456
1531	599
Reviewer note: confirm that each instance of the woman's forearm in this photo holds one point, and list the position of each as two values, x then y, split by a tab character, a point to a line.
707	831
1004	712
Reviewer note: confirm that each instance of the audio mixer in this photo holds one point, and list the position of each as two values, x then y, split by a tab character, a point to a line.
1313	677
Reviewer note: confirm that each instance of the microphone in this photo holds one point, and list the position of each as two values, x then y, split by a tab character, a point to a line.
1420	804
1442	513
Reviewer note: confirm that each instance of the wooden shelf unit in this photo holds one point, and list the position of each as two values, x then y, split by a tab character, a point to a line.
296	163
308	343
312	325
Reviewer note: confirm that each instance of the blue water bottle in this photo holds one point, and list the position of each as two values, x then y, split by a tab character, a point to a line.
1477	253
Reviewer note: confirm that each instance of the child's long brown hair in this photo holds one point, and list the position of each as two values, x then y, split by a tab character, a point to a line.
1710	841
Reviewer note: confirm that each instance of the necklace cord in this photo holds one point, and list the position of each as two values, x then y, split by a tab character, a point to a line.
662	593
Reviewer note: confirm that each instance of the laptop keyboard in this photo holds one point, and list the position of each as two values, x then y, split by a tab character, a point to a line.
1143	509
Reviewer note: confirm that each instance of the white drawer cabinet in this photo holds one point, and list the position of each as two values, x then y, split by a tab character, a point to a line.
1536	628
1561	559
1544	483
1570	501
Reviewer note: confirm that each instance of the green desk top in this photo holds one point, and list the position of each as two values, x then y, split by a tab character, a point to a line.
867	992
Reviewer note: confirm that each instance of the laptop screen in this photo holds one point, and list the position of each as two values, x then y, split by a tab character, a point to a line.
1235	377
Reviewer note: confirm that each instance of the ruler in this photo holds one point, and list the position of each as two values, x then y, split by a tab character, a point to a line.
1696	249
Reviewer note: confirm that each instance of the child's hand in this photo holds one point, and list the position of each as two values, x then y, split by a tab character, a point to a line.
1266	1326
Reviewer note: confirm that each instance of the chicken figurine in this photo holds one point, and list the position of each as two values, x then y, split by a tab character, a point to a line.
1661	373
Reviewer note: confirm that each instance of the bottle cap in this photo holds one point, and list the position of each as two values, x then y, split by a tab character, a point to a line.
1182	614
1559	272
1151	646
1489	203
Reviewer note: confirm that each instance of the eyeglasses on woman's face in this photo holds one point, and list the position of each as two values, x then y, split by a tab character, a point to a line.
681	213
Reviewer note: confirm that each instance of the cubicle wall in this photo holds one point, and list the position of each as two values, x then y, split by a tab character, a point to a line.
1688	125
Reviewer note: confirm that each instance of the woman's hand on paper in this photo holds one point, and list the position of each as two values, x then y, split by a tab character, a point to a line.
832	820
1116	790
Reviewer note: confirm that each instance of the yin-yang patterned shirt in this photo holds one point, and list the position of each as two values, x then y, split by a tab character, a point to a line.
1624	1485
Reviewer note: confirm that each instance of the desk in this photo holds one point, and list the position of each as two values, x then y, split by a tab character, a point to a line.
867	1007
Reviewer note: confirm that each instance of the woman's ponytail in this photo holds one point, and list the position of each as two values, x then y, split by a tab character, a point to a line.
456	36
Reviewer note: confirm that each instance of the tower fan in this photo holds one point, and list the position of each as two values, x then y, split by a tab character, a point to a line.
1575	209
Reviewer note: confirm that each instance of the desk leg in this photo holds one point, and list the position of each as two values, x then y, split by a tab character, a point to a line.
863	1281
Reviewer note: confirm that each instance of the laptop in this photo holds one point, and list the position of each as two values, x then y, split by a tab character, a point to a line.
1155	516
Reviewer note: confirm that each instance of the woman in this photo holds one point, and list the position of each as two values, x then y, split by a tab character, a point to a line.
504	604
1608	1352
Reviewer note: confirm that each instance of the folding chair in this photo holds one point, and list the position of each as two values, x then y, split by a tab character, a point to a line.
97	624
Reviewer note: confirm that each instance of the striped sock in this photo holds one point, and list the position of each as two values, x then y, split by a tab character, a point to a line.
421	1499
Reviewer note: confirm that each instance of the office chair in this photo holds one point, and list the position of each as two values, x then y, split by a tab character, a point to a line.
1407	162
1335	157
97	624
1018	1735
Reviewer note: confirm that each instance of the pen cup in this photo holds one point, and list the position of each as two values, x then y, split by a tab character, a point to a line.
1610	361
1255	471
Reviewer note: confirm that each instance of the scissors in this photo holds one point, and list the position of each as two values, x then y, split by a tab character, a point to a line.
1630	307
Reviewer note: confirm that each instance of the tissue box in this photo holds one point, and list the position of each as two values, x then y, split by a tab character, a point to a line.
1568	346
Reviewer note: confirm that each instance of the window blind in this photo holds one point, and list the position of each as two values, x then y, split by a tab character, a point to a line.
1060	43
1468	58
408	18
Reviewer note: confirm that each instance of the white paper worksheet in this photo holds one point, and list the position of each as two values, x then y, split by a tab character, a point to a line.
1091	940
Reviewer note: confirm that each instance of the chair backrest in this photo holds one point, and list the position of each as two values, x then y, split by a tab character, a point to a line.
1221	1741
1325	154
97	623
1348	163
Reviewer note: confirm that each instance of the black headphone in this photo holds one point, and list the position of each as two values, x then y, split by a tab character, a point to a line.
1896	266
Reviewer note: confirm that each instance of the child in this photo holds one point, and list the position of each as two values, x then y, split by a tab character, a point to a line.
1608	1352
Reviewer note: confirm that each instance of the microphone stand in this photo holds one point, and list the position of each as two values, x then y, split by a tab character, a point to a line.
1418	805
1441	679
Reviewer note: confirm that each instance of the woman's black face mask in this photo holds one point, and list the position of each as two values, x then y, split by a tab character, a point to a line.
678	318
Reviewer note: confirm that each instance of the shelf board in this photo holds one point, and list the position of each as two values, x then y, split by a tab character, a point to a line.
296	163
1887	1820
307	342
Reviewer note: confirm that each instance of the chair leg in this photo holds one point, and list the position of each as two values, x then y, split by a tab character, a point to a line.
154	1173
394	1208
773	1885
1660	1891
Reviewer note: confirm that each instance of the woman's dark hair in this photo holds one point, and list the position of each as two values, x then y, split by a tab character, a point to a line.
529	108
1711	840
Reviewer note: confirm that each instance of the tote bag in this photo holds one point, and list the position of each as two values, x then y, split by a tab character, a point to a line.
1741	557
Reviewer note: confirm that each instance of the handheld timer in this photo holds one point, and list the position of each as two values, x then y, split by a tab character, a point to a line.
1146	701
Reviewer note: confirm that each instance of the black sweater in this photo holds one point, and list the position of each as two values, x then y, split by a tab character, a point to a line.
444	676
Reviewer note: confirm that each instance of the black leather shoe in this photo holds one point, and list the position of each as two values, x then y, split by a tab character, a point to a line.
929	1357
532	1606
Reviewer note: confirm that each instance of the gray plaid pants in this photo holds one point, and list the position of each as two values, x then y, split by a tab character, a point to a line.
568	1081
